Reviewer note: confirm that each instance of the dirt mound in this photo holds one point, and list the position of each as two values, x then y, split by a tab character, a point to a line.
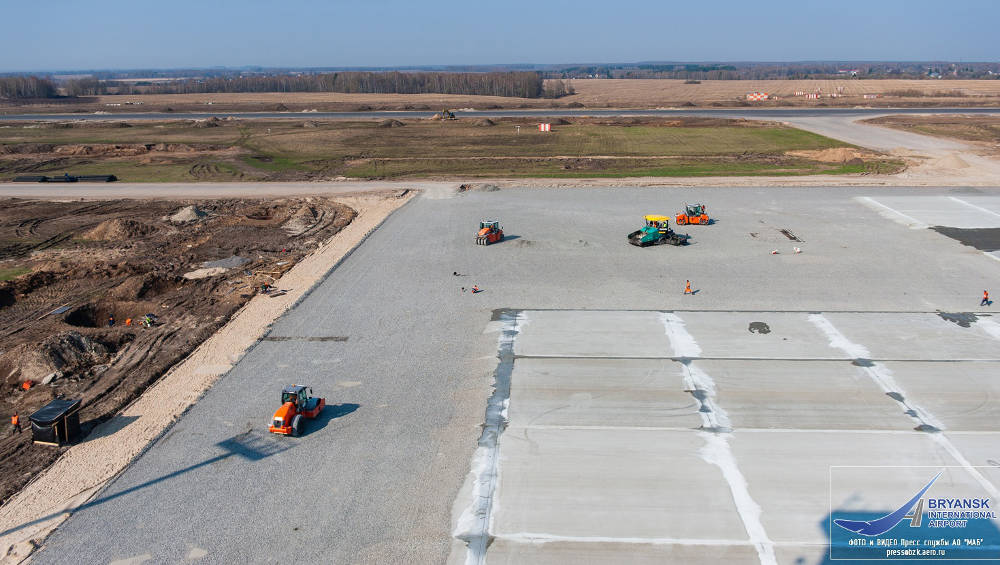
832	155
484	122
390	124
62	352
951	162
212	122
559	122
304	219
310	124
104	149
186	215
117	229
26	148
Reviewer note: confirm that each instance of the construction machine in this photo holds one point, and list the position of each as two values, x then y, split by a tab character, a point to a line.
693	214
447	115
656	232
297	404
489	232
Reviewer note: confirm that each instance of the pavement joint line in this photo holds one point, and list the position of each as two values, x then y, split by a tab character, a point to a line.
973	206
893	214
729	311
883	378
474	524
796	359
584	428
532	537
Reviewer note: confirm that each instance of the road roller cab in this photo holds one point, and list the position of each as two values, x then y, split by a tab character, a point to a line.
297	404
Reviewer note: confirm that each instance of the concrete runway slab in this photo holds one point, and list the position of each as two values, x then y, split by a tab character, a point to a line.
601	393
963	396
916	336
593	334
611	483
952	211
789	475
758	335
505	552
805	395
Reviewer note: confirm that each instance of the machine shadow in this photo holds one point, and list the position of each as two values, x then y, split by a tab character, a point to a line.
329	414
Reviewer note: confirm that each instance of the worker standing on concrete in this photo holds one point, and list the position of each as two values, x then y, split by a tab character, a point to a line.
687	287
986	298
15	424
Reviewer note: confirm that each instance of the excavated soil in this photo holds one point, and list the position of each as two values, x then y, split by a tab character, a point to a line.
93	260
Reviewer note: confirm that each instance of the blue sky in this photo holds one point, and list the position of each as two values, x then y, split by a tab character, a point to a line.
104	34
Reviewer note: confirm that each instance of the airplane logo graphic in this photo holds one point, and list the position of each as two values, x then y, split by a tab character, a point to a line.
889	521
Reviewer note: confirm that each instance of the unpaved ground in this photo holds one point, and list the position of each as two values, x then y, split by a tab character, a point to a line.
127	258
590	93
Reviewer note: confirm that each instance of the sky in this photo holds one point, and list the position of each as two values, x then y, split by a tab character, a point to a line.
49	35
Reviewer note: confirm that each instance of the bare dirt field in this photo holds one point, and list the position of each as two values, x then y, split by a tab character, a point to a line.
984	129
289	150
640	93
68	267
590	93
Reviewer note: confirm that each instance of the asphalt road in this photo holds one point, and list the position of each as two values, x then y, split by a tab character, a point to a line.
406	359
763	113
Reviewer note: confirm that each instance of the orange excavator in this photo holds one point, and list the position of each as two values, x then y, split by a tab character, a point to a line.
297	404
489	232
693	214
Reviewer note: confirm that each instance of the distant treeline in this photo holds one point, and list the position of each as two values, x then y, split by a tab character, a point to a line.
517	84
18	87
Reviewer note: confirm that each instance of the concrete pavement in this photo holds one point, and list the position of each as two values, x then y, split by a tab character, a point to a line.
604	453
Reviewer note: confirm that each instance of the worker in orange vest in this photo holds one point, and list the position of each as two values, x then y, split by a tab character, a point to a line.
986	298
687	287
15	424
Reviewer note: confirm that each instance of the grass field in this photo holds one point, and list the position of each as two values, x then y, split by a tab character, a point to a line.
967	128
292	150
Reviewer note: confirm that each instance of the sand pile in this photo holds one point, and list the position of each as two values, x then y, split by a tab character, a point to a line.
118	229
310	124
484	122
390	124
187	214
